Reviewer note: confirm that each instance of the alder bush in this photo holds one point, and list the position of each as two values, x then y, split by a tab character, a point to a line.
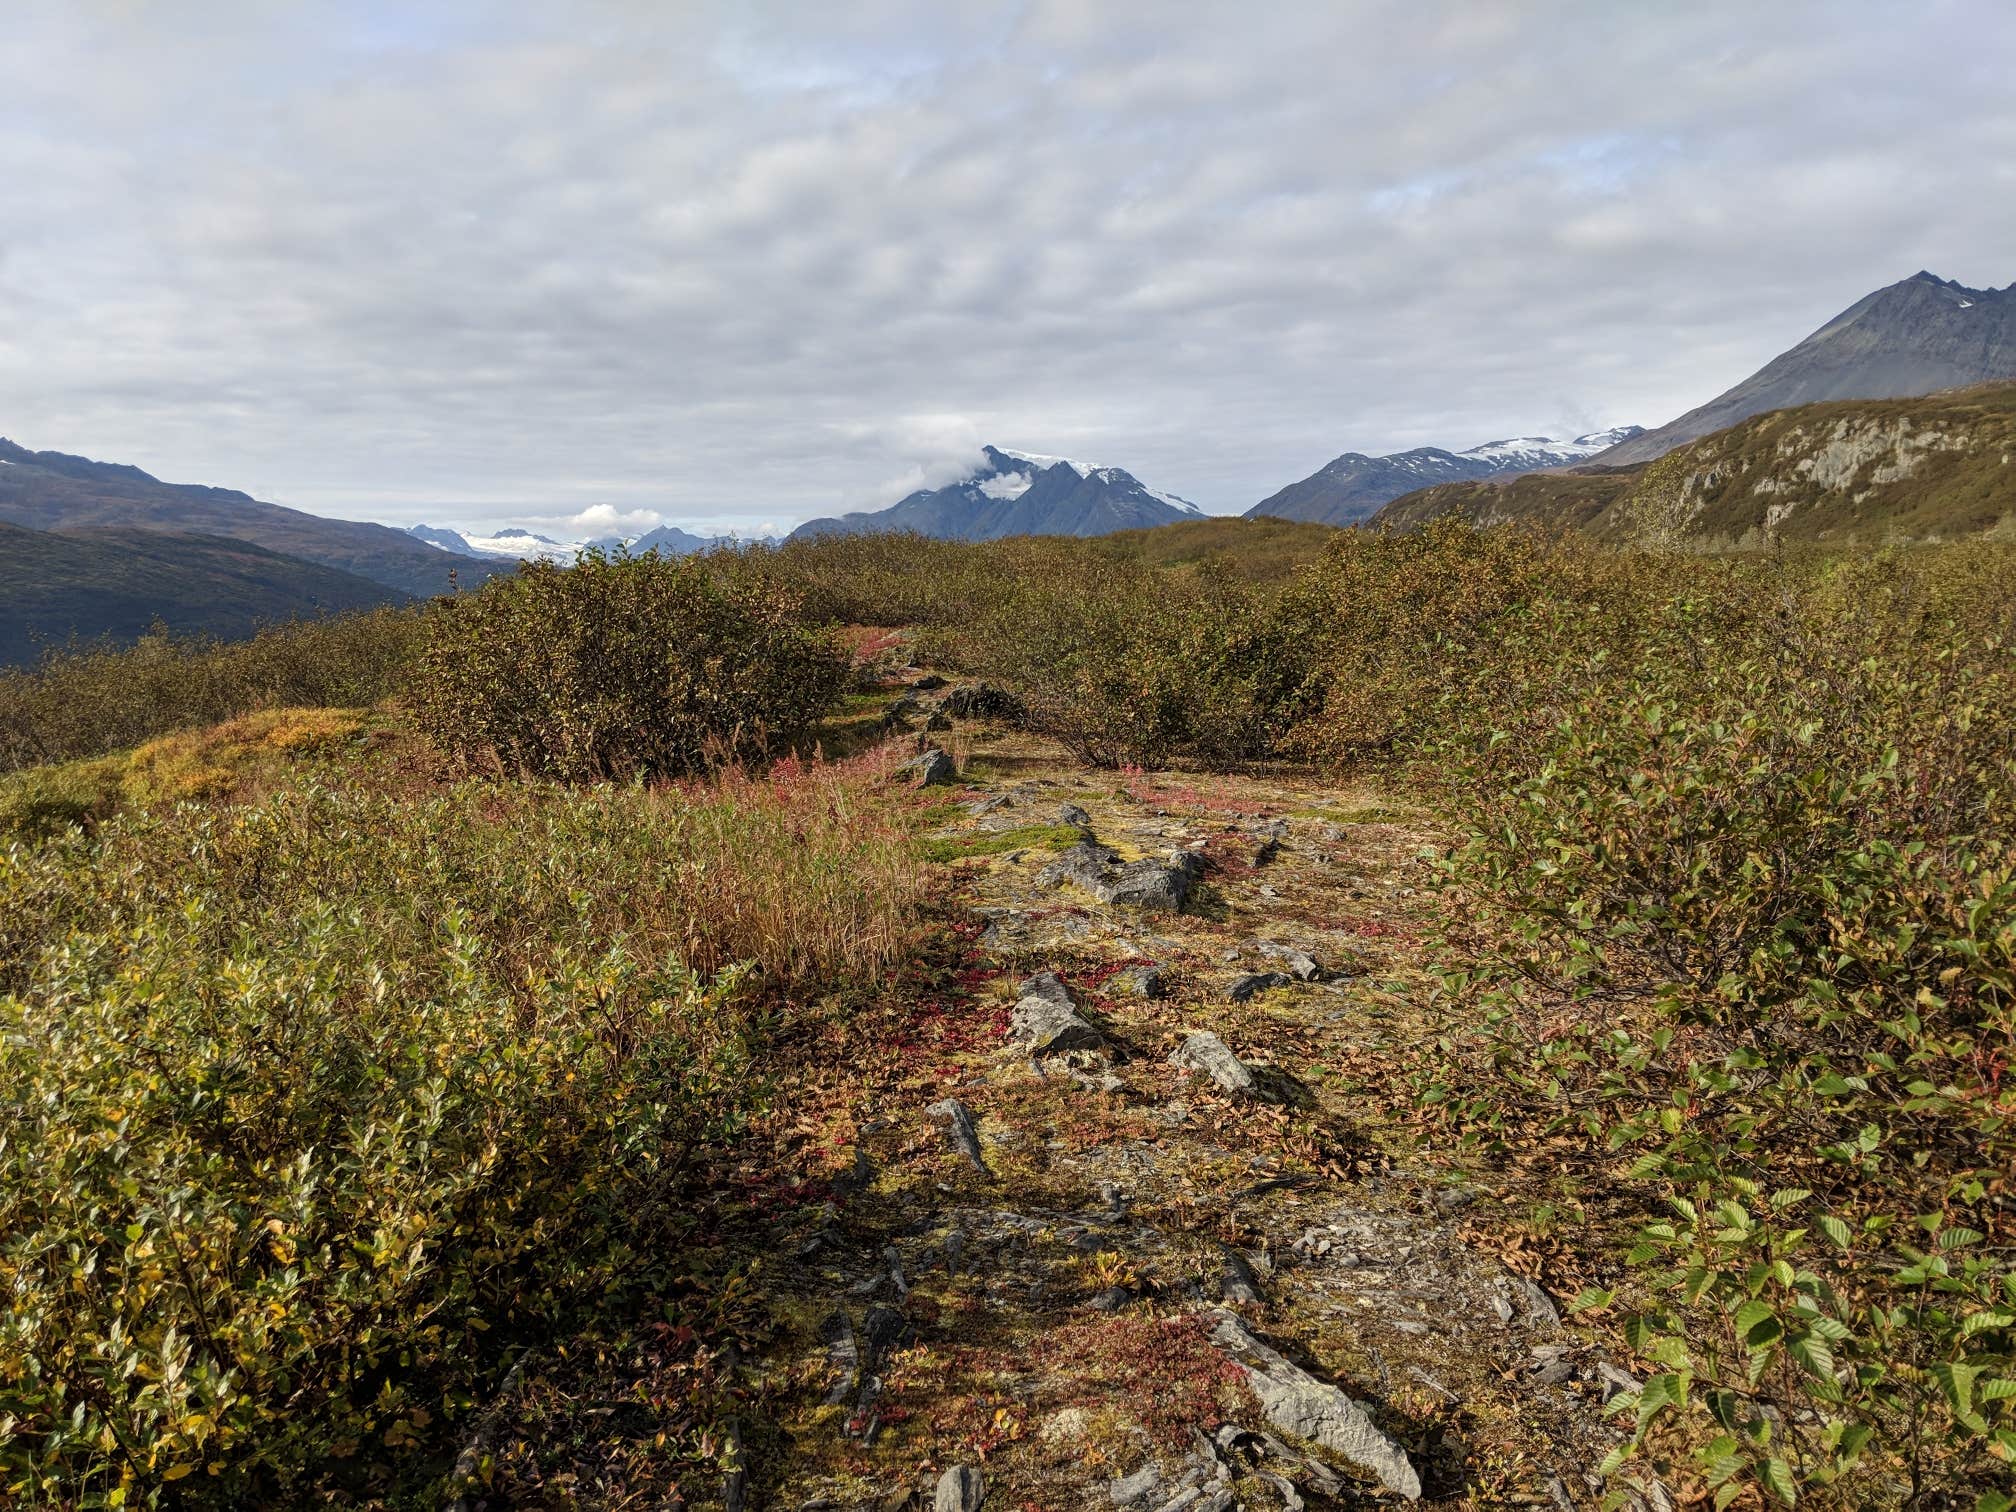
622	668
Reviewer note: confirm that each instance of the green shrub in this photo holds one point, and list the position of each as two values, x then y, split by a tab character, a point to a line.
320	1106
621	668
1742	920
1127	664
88	700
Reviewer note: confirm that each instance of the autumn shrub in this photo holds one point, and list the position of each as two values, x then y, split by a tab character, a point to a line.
319	1108
622	667
1130	665
88	699
1739	922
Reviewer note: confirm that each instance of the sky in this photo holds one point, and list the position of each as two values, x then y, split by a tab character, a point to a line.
595	266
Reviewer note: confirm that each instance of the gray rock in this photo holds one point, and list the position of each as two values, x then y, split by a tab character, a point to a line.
843	1352
1071	814
1085	864
1204	1051
960	1489
930	768
1253	983
1046	1021
1291	1499
1145	884
939	720
1048	986
1301	965
1535	1303
1301	1406
1139	1486
960	1130
1144	981
1615	1380
985	806
1161	886
1236	1282
928	683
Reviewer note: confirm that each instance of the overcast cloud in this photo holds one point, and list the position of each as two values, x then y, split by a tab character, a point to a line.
734	265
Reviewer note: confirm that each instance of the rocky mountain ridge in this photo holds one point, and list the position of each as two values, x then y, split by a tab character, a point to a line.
1352	487
1915	337
1868	471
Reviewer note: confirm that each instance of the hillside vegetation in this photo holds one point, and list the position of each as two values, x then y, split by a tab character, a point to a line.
1865	472
54	491
120	583
374	1058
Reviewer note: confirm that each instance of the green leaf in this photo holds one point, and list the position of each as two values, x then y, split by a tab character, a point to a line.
1811	1351
1959	1238
1777	1477
1957	1382
1836	1230
1758	1326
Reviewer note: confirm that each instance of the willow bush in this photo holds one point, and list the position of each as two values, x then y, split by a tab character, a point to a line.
622	667
1740	924
316	1105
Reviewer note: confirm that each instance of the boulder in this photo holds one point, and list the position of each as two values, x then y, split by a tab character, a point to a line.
1204	1051
932	768
1316	1412
1046	1021
1147	884
1156	885
960	1489
928	682
1071	814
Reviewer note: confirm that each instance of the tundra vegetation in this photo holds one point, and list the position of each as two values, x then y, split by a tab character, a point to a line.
403	1020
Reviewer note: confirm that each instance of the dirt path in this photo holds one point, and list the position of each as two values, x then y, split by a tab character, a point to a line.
1102	1279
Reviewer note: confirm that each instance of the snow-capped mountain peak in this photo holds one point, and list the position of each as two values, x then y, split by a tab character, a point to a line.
1355	486
1021	493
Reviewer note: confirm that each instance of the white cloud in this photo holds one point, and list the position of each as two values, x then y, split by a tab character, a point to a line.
734	263
608	520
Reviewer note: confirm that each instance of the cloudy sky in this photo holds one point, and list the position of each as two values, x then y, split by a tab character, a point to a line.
733	265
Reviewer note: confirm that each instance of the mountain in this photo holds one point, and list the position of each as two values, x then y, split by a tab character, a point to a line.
56	491
670	540
1913	338
117	581
447	540
1019	493
1868	471
516	544
1352	487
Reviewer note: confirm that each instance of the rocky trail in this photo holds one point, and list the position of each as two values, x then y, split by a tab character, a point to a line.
1113	1220
1116	1200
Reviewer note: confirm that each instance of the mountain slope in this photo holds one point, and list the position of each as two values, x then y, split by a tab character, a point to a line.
1915	337
670	540
55	491
1934	467
1018	493
118	581
1353	487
